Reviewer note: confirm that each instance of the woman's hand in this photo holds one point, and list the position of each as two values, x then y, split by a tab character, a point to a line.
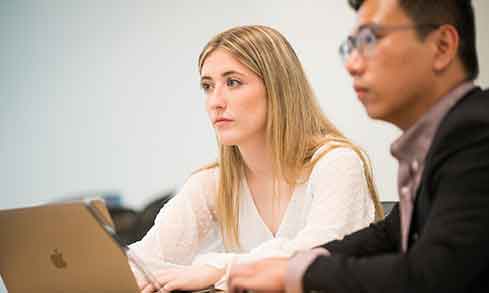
185	278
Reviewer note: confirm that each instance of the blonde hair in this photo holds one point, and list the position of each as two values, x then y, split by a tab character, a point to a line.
295	127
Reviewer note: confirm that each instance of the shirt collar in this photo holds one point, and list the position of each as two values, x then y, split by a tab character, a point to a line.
415	142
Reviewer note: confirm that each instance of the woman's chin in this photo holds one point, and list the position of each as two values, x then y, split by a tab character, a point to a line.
228	141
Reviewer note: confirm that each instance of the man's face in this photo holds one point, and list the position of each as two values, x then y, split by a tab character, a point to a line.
392	77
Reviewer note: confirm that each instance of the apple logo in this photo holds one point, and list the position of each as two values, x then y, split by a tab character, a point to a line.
57	260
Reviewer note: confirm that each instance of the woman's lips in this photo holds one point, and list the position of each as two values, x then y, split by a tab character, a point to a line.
222	121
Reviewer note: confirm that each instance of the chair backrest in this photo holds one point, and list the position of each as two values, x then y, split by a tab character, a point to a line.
388	205
125	223
148	215
131	225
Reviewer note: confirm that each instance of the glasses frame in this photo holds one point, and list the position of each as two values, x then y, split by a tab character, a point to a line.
360	40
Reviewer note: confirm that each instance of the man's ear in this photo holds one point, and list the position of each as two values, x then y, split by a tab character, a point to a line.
446	43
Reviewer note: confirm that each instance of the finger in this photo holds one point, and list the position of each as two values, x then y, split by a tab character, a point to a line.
242	270
238	285
255	283
240	273
175	284
142	284
148	289
166	277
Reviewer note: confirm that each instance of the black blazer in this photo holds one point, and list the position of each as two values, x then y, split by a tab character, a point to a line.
448	247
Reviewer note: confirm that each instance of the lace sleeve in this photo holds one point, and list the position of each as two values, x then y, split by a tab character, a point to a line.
181	226
341	204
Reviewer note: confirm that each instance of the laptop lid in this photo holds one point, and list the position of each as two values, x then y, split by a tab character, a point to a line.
61	248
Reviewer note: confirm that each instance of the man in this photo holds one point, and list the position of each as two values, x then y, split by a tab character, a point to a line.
413	63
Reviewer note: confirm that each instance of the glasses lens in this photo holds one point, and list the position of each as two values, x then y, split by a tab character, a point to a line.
366	40
343	49
346	48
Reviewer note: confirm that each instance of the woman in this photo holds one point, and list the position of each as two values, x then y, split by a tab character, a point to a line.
285	180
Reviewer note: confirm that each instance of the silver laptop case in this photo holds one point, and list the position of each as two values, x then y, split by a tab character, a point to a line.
61	248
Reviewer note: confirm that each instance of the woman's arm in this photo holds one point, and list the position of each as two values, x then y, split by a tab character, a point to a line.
180	227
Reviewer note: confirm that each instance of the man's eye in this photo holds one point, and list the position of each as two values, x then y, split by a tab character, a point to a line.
233	82
367	38
370	39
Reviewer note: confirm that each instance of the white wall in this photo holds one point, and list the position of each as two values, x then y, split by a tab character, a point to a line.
100	96
104	95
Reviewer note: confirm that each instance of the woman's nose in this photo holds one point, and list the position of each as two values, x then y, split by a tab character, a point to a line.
216	99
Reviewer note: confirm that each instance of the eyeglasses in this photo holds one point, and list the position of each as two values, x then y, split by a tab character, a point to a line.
368	35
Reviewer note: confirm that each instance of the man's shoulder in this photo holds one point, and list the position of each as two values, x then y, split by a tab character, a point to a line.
466	123
475	102
470	111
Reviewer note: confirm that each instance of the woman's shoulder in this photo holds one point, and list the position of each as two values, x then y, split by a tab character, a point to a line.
204	178
205	174
337	155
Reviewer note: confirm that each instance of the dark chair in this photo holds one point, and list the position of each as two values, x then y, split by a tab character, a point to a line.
125	221
388	205
148	215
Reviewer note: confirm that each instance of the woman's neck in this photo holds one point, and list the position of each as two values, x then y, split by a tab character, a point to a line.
263	185
257	157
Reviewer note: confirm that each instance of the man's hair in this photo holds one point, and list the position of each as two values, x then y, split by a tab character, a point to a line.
458	13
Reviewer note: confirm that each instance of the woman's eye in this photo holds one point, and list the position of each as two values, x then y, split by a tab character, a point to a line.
233	82
205	86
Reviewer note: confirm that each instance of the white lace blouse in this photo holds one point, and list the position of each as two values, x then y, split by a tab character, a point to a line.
333	202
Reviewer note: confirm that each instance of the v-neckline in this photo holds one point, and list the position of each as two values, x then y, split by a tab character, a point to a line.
247	192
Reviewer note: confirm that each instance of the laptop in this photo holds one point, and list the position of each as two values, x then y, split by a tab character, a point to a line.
61	247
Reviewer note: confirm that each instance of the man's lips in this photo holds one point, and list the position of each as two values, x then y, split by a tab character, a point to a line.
361	92
360	89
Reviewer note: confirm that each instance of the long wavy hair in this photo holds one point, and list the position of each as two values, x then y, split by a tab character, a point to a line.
295	125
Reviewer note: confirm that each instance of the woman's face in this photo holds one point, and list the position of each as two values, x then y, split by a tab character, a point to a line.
235	99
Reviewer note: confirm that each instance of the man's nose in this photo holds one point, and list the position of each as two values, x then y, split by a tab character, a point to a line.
355	63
